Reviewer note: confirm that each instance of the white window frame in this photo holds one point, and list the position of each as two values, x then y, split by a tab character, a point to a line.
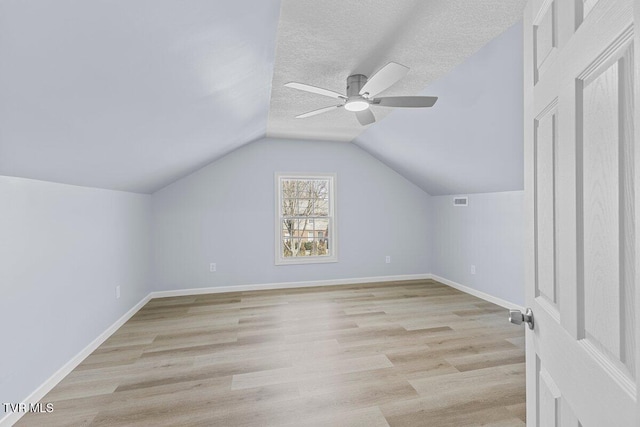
333	228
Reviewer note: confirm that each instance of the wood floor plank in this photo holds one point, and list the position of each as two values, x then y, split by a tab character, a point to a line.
383	354
485	360
366	417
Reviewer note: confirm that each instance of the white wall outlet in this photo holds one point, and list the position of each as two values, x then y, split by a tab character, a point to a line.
212	267
118	292
473	269
387	259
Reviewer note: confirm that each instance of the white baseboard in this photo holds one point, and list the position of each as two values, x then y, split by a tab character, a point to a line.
288	285
476	293
12	417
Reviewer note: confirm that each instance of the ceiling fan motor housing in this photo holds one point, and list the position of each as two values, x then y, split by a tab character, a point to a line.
354	84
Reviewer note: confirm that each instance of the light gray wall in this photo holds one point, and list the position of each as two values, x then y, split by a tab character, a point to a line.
489	233
225	214
63	250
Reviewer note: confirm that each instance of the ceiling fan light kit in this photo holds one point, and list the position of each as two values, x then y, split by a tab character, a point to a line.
356	105
361	92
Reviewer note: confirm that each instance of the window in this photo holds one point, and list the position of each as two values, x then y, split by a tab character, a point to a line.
305	215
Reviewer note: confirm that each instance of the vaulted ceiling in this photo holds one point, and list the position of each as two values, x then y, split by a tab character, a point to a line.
131	95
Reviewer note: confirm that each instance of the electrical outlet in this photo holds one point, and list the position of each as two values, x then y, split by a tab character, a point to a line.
118	292
473	269
387	259
212	267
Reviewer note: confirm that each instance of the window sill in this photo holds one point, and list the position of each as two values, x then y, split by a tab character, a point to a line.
306	260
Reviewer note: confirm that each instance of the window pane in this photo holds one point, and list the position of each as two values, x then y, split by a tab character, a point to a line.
300	249
287	247
321	207
288	227
305	250
322	225
304	187
293	247
321	188
323	247
313	247
289	188
303	227
304	207
288	207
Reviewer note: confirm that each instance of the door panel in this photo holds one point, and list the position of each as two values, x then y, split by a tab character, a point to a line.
549	399
545	37
545	172
581	182
607	247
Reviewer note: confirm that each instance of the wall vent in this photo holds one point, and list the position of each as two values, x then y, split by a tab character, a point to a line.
461	201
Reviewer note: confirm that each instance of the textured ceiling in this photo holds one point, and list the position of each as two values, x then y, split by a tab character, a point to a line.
130	94
322	42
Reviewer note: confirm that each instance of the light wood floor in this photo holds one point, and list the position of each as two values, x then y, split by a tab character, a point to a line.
402	354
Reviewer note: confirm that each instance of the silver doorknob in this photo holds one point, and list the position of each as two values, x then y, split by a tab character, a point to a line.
516	317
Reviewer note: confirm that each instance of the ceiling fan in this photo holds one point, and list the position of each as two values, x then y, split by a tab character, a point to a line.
361	92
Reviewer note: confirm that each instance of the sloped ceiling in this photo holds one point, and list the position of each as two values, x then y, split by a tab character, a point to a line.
131	95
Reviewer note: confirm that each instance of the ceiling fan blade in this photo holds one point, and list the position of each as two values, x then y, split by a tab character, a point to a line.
386	77
320	111
313	89
365	117
406	101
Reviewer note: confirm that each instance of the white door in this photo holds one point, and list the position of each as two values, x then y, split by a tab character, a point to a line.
582	184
